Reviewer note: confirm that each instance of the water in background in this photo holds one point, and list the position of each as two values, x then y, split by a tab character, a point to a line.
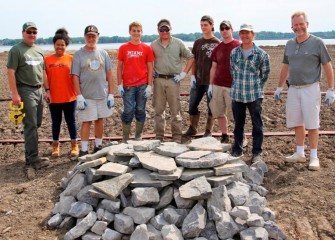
109	46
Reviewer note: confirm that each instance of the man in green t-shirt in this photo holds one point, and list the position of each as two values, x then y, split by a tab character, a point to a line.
26	76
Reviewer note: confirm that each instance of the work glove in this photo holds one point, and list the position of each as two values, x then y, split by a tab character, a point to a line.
81	102
148	91
330	97
121	90
178	77
210	91
155	75
193	82
277	94
110	101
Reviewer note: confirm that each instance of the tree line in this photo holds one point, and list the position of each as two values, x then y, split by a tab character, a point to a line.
190	37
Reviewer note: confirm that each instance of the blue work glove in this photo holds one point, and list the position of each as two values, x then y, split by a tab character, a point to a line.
155	75
110	101
330	97
277	94
121	90
210	91
193	82
148	91
81	102
178	77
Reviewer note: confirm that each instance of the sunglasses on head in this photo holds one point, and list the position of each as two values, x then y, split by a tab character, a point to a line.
31	32
224	28
164	30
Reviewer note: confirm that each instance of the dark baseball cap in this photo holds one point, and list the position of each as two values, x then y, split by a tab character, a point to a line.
28	25
227	23
91	29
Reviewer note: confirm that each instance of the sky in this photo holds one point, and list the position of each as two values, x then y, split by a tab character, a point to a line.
113	17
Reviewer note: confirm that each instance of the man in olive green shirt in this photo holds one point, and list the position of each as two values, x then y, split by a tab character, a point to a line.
168	66
26	76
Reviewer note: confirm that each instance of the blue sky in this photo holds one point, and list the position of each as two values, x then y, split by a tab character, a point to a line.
113	17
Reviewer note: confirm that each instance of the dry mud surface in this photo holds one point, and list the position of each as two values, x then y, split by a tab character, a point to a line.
304	201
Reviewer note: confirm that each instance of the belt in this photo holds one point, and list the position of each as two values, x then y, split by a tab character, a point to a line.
26	85
301	86
165	76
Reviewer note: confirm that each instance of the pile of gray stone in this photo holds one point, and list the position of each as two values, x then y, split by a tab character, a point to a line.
152	190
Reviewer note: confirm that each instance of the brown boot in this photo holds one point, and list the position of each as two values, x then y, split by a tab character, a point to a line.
192	130
74	149
209	126
55	149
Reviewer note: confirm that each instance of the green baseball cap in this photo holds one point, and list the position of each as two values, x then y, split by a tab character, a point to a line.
28	25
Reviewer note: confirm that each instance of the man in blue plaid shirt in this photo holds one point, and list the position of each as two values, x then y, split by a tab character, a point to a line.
250	68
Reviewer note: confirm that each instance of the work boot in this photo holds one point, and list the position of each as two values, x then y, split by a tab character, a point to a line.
138	131
55	149
192	130
74	149
209	126
224	138
126	132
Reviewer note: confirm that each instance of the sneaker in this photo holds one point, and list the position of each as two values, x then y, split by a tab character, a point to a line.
224	138
55	149
97	148
314	164
82	153
74	149
236	155
295	158
256	158
41	162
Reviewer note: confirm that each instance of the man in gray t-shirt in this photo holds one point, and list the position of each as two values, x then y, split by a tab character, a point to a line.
303	58
93	82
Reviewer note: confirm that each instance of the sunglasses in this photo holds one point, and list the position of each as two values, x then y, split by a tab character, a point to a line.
225	28
31	32
164	30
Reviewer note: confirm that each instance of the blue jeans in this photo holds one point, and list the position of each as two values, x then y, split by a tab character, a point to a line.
196	95
69	109
134	102
239	113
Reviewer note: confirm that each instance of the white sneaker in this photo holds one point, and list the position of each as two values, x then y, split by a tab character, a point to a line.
295	158
314	164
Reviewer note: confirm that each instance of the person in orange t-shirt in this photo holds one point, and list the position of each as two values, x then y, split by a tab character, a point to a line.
63	95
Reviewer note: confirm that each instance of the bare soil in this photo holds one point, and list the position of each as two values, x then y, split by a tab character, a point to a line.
304	201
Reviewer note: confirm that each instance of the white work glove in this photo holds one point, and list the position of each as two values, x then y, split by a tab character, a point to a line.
210	91
330	97
121	90
178	77
110	101
193	82
277	94
148	91
81	102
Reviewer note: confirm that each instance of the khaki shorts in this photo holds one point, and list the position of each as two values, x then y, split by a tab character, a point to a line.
220	103
303	106
94	110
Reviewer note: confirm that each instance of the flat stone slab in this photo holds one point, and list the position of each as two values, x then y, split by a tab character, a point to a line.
171	150
206	144
113	187
112	169
227	169
190	174
216	181
193	154
91	164
116	148
156	162
125	152
208	161
168	177
145	145
142	179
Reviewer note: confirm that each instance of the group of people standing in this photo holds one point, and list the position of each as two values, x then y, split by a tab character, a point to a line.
231	74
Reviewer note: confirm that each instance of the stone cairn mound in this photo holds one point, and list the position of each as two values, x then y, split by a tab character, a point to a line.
152	190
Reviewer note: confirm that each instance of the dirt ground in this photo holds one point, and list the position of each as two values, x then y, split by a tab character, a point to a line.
304	201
